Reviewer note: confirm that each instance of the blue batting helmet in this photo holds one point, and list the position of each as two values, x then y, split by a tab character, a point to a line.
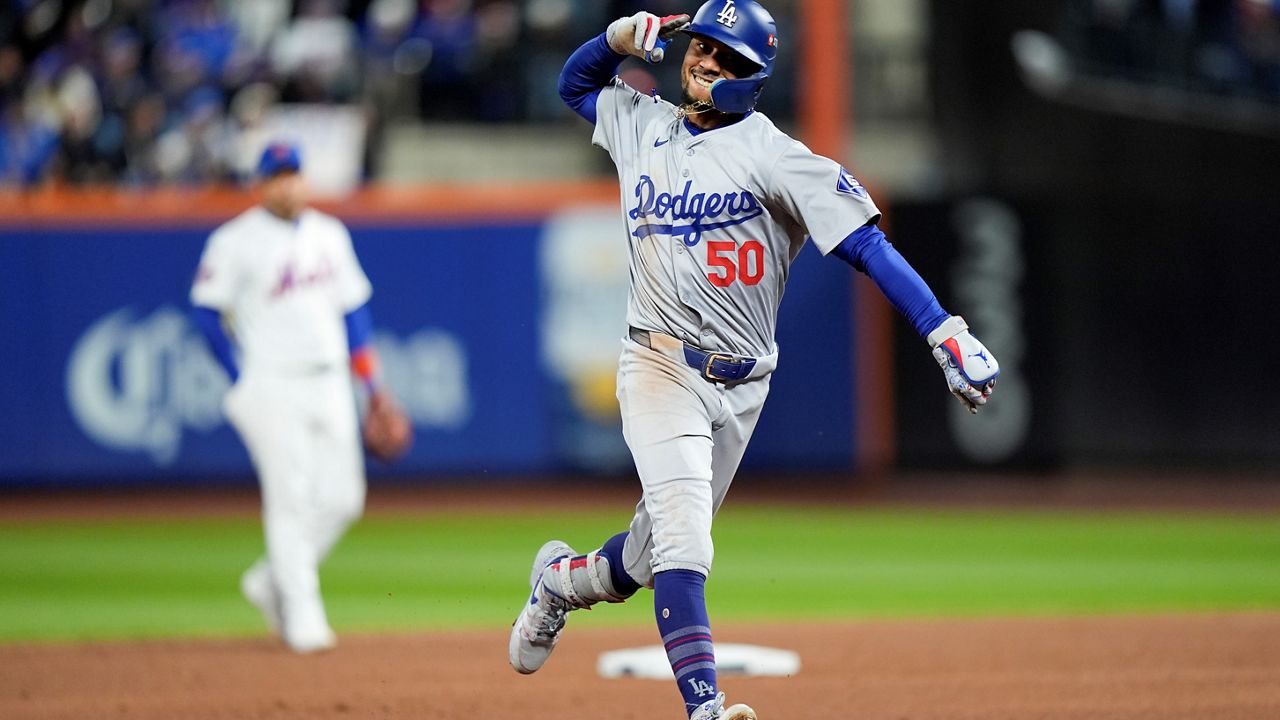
747	29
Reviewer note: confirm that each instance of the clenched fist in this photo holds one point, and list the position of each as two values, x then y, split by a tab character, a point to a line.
644	35
970	368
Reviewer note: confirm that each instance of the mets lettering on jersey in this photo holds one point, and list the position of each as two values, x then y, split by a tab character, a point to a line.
291	279
287	286
735	207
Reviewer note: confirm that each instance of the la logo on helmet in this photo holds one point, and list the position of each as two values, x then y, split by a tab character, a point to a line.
728	14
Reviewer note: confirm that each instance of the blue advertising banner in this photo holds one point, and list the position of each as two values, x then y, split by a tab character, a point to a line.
500	339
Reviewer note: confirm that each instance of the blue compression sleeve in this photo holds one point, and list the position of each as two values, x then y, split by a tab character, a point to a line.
359	327
587	71
209	321
868	251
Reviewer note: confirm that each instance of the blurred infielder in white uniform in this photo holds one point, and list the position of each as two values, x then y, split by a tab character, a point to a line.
285	280
717	203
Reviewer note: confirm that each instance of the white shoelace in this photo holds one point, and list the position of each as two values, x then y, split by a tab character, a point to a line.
548	618
710	709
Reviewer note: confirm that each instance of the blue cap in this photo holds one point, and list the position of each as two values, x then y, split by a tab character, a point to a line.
280	157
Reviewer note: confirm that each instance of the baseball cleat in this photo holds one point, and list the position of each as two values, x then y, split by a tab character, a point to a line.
256	587
536	631
306	628
715	710
314	640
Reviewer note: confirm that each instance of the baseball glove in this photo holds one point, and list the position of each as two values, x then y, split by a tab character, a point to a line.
387	432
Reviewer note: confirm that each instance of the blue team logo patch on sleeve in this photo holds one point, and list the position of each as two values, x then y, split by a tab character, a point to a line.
849	185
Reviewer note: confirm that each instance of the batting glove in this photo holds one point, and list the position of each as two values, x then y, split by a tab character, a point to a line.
970	368
644	35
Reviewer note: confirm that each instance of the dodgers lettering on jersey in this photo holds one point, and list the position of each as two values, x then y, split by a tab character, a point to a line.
715	219
735	207
285	286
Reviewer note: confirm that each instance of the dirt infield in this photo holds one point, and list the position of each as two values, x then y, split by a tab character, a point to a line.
1201	667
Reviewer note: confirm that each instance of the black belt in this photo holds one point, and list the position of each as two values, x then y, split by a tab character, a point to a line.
717	367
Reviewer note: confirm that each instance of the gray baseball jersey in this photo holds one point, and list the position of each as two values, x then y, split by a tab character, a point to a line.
715	219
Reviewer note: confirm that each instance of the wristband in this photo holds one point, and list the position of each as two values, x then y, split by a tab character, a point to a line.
364	363
949	328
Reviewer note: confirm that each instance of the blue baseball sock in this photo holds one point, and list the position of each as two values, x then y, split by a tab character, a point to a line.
679	603
612	551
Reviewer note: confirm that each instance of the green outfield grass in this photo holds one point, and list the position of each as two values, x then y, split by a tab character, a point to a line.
146	578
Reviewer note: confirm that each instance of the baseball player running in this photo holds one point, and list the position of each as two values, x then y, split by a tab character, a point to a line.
286	280
717	202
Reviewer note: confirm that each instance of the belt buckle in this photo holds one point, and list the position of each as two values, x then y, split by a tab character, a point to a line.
711	358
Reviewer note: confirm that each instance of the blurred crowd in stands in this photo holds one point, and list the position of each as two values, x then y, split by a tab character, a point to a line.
1229	47
139	92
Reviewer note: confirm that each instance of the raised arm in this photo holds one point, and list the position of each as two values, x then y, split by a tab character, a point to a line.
591	67
588	70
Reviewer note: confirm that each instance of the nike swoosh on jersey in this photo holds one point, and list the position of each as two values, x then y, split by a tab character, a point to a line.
660	143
